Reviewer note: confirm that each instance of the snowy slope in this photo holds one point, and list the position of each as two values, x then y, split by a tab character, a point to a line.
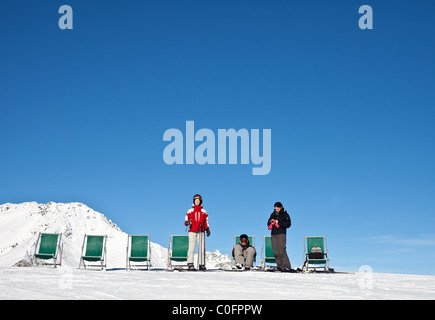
20	225
72	283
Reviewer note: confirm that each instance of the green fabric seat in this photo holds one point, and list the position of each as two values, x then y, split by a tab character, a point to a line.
317	261
44	256
138	259
48	247
267	255
95	251
138	248
92	259
178	247
94	248
309	243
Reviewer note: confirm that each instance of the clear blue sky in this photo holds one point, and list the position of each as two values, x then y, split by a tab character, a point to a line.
352	114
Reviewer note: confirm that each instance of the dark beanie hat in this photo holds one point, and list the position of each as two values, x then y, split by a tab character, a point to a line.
278	205
243	236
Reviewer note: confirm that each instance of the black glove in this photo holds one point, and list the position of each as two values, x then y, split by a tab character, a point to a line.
208	232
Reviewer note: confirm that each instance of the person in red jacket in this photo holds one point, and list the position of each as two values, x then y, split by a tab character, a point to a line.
197	219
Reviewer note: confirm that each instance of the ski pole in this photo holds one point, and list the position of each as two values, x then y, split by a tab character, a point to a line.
198	236
204	253
201	245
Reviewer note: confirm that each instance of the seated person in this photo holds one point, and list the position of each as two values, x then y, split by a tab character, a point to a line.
244	253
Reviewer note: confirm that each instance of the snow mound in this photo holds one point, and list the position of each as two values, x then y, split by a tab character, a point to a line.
21	223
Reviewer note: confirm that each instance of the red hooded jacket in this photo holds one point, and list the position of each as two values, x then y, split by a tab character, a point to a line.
197	217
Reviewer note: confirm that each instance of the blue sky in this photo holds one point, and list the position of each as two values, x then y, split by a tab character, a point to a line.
351	112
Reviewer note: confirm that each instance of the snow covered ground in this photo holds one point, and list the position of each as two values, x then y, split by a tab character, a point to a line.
72	283
20	225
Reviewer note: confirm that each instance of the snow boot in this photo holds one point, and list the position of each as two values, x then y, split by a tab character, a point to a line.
190	267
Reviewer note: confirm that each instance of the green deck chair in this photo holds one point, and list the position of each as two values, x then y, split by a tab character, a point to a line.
236	240
138	251
93	250
178	247
267	255
48	246
311	242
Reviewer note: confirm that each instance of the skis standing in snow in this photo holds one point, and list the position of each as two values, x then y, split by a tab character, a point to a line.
197	219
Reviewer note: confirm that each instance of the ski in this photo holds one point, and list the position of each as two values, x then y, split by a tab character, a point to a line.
242	270
235	270
184	270
192	270
297	270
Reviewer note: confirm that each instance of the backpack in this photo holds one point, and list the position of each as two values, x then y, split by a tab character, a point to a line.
316	253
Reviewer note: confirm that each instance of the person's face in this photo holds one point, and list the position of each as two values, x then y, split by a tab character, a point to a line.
278	210
197	202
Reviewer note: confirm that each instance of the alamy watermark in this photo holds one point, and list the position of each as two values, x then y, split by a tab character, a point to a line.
66	278
365	277
366	20
66	20
182	148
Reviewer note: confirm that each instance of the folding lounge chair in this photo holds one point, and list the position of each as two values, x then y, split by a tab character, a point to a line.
48	246
94	250
315	242
236	240
138	251
267	255
178	247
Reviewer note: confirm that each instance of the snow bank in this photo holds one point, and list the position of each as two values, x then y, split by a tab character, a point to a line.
72	283
20	225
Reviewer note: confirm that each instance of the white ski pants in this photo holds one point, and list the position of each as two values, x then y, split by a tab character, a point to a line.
195	237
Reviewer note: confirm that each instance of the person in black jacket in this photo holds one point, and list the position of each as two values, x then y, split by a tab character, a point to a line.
278	223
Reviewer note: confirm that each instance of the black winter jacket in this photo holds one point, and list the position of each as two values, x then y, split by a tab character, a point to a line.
284	222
